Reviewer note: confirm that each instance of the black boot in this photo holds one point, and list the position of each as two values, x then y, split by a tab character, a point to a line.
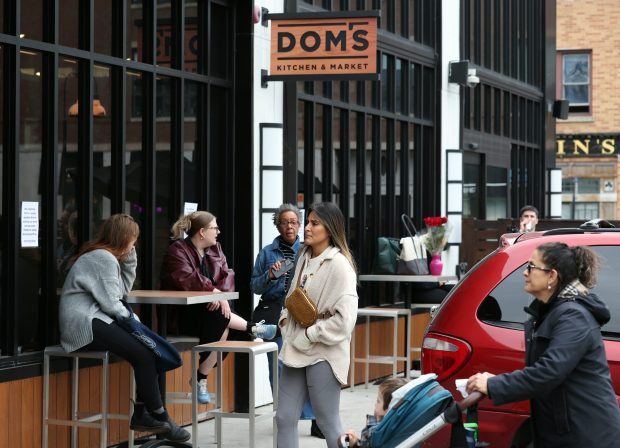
144	422
315	431
176	433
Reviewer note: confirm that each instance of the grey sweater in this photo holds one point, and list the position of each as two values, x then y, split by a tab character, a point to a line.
93	288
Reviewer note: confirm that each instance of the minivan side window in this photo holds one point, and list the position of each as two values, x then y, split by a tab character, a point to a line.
504	305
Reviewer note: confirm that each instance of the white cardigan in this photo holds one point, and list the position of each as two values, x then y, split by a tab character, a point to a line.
333	288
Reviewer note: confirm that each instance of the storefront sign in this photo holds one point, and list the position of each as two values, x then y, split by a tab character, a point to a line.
311	46
584	145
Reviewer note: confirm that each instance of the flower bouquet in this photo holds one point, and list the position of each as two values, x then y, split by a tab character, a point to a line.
435	239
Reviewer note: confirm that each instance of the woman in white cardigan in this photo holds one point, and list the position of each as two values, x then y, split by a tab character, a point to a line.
316	359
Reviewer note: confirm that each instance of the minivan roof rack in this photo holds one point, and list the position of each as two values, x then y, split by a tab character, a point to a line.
569	231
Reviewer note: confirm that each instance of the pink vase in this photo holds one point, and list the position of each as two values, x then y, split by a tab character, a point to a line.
435	266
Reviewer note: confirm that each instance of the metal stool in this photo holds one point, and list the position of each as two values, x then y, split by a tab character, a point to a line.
252	349
393	313
98	420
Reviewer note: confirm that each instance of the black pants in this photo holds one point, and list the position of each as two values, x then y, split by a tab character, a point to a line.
208	326
113	338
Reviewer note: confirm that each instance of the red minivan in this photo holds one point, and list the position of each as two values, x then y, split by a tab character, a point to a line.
479	326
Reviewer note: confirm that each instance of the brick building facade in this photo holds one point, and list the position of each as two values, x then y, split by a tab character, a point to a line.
588	142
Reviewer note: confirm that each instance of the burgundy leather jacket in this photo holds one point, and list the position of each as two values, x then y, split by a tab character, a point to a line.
181	269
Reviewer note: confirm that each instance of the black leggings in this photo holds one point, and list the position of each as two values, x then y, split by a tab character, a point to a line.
113	338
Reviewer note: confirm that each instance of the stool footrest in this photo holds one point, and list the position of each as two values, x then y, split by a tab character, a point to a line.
244	415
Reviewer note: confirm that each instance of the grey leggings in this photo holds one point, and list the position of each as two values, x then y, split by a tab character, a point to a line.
296	385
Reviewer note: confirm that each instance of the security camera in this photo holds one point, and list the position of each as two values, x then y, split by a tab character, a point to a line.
472	79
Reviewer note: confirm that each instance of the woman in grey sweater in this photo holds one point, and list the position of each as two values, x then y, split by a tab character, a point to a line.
101	276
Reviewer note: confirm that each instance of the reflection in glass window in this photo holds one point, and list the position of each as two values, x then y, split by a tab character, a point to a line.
164	216
192	148
163	36
32	22
67	238
102	145
337	153
385	79
29	189
497	192
318	153
576	81
193	37
103	26
68	22
471	180
135	40
134	195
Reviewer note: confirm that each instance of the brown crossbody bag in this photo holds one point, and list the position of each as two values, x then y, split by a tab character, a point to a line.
301	307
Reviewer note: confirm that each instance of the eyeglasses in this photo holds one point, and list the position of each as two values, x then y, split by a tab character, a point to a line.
216	228
289	223
531	266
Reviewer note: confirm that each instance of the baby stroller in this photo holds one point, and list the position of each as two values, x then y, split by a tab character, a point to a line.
418	410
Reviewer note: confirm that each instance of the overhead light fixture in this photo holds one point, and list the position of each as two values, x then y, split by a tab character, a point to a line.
98	109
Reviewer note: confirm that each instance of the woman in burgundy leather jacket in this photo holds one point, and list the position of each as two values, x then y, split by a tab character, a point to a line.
197	263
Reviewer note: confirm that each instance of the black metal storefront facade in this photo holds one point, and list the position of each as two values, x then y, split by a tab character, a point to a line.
168	83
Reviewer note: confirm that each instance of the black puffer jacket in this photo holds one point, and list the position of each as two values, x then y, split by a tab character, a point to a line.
566	377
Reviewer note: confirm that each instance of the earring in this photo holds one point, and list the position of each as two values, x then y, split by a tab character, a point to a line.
202	237
548	285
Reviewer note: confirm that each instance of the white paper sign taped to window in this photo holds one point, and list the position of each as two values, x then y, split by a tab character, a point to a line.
30	224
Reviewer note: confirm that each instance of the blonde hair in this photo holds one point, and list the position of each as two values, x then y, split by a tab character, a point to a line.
191	224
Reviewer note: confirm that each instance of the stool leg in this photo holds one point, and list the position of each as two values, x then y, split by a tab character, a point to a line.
353	359
408	345
104	403
274	364
367	351
132	397
194	400
395	347
218	416
46	391
251	402
75	379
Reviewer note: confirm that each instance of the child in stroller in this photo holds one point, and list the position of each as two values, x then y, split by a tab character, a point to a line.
384	397
417	410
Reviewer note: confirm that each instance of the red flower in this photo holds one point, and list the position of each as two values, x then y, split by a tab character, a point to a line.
435	221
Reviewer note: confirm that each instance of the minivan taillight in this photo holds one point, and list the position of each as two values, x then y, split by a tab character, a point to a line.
443	355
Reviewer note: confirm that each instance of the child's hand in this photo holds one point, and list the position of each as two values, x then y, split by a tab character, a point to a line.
353	439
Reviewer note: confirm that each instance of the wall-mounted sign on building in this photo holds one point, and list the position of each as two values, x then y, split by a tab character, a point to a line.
312	46
583	145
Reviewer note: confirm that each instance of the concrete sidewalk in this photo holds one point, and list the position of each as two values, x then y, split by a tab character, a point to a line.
354	405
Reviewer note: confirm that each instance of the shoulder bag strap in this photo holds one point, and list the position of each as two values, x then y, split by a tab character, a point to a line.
412	231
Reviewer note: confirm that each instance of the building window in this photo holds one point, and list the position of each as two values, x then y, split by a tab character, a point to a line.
575	82
581	185
580	210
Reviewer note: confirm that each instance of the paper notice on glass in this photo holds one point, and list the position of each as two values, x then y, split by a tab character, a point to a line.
189	207
30	224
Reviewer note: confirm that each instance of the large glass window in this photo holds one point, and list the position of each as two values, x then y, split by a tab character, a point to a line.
581	185
68	22
497	192
32	21
163	161
135	38
29	190
67	239
102	144
576	75
193	142
164	49
103	26
193	36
